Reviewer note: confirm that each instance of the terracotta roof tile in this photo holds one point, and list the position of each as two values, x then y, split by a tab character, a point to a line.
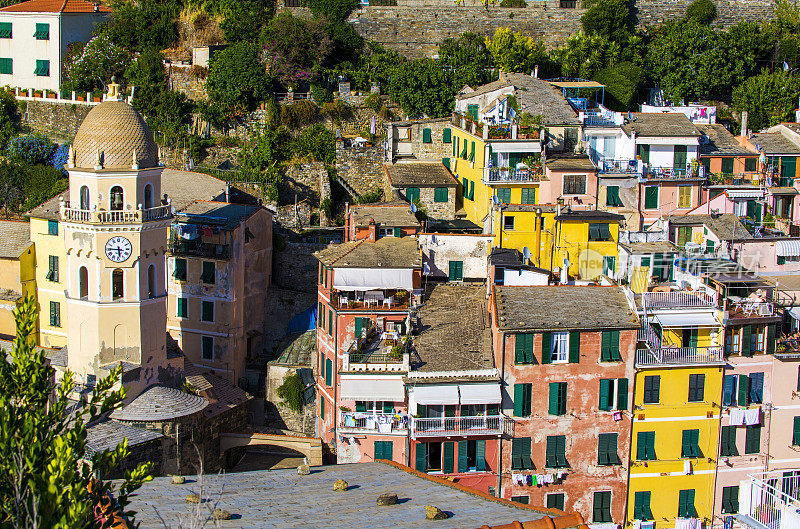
55	6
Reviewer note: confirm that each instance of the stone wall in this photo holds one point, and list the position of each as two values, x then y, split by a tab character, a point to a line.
407	138
279	415
361	167
282	304
296	267
59	121
183	79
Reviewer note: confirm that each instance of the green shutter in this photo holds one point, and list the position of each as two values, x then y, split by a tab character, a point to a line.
472	153
462	457
426	135
651	197
446	162
605	338
480	455
605	394
547	347
641	510
746	337
519	390
728	442
361	406
420	457
182	307
553	408
328	372
686	504
574	347
330	322
622	394
440	194
358	327
447	136
796	432
516	453
447	457
322	407
42	31
388	406
42	68
6	66
398	232
744	389
519	348
5	30
602	449
528	351
771	339
472	190
641	446
752	442
455	270
388	448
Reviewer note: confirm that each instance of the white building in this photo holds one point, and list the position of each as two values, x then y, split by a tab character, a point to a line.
34	36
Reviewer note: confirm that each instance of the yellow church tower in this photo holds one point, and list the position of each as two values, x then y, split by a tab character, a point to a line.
115	234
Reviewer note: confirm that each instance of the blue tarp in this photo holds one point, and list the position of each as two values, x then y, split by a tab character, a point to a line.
305	321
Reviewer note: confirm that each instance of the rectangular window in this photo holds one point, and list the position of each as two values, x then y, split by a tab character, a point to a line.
601	510
522	399
42	68
599	231
796	432
504	194
426	135
209	272
447	136
727	442
207	345
440	194
730	500
744	390
686	504
525	500
180	270
750	164
646	446
752	439
684	197
641	505
609	349
612	197
42	31
556	455
5	30
574	184
523	348
651	197
557	402
52	227
328	372
727	166
697	382
609	265
756	392
207	312
55	314
322	407
611	388
471	191
183	307
555	501
607	449
558	344
383	450
330	322
6	66
652	389
528	195
679	158
472	456
690	444
455	270
508	222
52	268
521	453
643	152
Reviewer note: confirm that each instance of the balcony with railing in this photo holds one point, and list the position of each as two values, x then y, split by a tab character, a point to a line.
770	500
461	426
678	299
737	307
516	175
666	356
132	216
373	422
686	172
617	166
198	248
373	351
378	300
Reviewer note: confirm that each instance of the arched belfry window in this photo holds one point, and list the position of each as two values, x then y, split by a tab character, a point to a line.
148	196
117	291
83	282
116	198
151	281
85	198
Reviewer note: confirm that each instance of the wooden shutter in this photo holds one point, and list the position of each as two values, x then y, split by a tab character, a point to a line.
686	444
604	348
682	504
446	136
361	406
519	345
472	153
420	457
328	371
358	328
574	347
388	406
547	347
322	408
752	442
756	393
746	334
519	390
605	394
480	455
378	450
796	432
446	162
388	448
640	498
330	322
516	453
771	339
462	456
744	389
651	197
447	457
553	408
622	393
602	449
729	390
528	351
527	396
426	135
728	441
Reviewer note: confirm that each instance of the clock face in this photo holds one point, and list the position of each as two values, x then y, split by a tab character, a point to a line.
118	249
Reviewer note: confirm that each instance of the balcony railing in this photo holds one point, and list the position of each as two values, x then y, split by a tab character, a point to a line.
374	422
678	356
621	166
461	426
746	308
678	299
197	248
770	500
657	173
498	174
593	119
115	216
368	357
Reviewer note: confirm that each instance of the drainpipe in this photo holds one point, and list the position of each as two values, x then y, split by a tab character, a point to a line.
538	236
500	448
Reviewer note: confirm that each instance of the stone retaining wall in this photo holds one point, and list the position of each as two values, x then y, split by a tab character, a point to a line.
58	121
361	167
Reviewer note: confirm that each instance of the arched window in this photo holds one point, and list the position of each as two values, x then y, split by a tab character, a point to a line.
85	198
116	198
148	196
151	281
116	284
83	282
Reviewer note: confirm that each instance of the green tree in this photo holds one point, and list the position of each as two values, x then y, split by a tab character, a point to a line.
261	156
469	58
99	60
701	11
623	83
584	55
514	52
609	18
236	83
294	45
422	87
243	19
138	25
9	118
768	98
45	475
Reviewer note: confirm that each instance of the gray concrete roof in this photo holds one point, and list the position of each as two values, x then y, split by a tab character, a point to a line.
724	227
15	238
660	124
422	173
159	403
280	499
774	143
107	434
563	308
651	247
720	142
395	214
387	252
456	330
222	214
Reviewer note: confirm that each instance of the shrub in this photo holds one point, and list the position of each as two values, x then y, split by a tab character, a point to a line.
371	197
609	18
513	3
31	148
337	110
701	11
320	94
327	208
315	143
373	101
291	392
299	113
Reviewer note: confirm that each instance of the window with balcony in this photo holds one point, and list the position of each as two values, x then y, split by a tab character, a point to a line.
436	457
555	500
521	453
686	507
601	508
690	444
646	446
148	196
117	284
643	152
574	184
679	158
607	449
751	165
641	505
556	452
727	166
652	389
84	194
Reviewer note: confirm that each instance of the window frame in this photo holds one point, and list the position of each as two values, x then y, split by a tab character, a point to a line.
42	31
609	456
648	393
182	302
508	222
601	513
574	184
203	341
180	269
696	390
204	304
208	271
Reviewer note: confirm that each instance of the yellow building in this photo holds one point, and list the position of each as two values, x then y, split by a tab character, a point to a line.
676	408
17	259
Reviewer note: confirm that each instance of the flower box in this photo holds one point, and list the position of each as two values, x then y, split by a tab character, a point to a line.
80	98
97	99
51	95
37	94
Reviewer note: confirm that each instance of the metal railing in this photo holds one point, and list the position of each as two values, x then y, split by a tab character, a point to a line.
199	249
375	358
597	120
115	216
678	356
751	309
370	421
655	173
678	299
621	166
498	174
479	425
771	499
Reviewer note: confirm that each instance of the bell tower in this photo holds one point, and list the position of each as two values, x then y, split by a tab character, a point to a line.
115	234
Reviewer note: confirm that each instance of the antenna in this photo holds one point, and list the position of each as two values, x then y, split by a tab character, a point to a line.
413	208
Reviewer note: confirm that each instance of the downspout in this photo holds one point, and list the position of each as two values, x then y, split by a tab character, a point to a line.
500	448
719	439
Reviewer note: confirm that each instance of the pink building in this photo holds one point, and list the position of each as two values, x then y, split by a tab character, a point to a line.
572	179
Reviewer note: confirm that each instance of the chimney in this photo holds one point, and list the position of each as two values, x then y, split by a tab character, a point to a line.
502	76
744	123
227	193
535	72
372	235
797	116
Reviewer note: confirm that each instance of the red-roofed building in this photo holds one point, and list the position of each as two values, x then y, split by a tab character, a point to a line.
34	36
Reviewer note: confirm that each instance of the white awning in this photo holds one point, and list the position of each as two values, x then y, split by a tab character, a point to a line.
373	278
790	248
436	394
372	388
795	312
524	146
484	393
701	319
745	193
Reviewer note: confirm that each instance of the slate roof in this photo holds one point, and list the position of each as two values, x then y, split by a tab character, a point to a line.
773	143
15	238
534	96
720	142
107	434
586	215
789	282
158	403
651	247
220	394
221	214
571	163
660	124
280	499
515	208
783	190
563	308
456	331
55	6
722	226
423	173
297	349
390	215
387	252
57	357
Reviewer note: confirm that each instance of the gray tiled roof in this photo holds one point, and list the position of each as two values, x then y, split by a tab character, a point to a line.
226	216
651	247
660	124
160	403
456	331
396	214
720	142
588	215
563	308
423	173
571	163
724	227
221	394
280	499
15	237
107	434
774	143
387	252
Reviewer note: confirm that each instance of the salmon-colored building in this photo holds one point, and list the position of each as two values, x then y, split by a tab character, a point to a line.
373	221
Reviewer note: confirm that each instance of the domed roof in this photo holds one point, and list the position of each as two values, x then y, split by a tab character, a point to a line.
160	403
116	130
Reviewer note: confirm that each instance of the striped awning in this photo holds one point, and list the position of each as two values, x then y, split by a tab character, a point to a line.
745	193
789	248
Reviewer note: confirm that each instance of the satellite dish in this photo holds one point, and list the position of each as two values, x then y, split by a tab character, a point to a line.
413	208
433	239
495	200
566	263
526	253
